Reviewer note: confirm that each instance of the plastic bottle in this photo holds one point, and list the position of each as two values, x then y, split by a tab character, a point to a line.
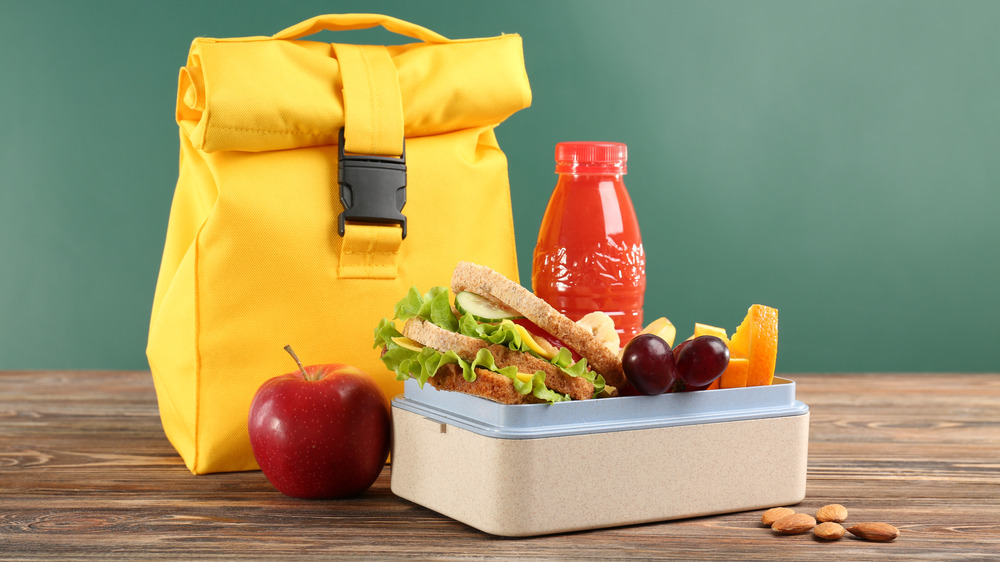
589	253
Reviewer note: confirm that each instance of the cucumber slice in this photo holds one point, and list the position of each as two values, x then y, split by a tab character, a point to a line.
482	308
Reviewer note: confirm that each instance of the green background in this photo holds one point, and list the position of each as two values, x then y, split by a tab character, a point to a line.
837	160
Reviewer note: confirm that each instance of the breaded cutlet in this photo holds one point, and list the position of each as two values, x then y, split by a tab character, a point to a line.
489	385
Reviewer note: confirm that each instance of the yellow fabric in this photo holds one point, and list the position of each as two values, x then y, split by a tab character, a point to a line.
253	259
373	124
293	89
373	112
342	22
370	251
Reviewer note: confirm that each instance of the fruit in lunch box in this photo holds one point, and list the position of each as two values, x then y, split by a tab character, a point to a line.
663	328
701	361
649	364
680	346
708	330
735	375
757	340
602	327
715	384
320	432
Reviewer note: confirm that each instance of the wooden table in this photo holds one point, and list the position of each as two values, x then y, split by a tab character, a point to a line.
86	472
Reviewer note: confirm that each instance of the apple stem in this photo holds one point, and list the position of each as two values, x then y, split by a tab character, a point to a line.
305	375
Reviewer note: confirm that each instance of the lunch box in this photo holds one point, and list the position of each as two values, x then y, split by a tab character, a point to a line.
535	469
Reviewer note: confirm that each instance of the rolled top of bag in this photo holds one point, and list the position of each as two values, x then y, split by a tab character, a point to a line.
259	93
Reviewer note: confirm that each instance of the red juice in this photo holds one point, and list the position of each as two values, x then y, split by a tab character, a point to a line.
589	253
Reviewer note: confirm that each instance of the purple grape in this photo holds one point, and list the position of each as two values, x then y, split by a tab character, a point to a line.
649	364
679	347
701	361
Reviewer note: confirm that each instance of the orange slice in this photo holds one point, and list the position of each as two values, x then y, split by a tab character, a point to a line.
757	340
735	375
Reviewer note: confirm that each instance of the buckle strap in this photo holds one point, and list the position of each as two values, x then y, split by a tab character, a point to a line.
370	252
372	188
373	105
371	170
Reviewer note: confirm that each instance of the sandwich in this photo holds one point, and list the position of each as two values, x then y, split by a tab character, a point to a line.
499	341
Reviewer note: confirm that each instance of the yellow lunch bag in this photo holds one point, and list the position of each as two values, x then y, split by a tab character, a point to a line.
318	182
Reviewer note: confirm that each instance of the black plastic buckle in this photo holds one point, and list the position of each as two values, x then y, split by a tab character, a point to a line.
372	188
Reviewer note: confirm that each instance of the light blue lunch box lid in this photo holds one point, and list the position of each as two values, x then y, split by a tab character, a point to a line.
581	417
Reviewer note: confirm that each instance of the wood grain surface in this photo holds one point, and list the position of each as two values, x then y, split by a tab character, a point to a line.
87	473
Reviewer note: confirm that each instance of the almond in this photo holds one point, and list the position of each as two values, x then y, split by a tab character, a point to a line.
881	532
794	524
829	530
833	512
775	513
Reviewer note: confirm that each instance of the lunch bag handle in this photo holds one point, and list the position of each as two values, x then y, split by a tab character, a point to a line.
344	22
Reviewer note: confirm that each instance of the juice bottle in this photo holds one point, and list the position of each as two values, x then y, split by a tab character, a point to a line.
589	253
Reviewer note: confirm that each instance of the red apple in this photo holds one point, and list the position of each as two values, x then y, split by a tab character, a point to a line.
320	432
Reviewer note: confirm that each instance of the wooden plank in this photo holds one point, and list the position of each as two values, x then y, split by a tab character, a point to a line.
86	472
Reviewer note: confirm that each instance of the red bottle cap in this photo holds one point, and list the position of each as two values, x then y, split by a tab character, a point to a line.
591	158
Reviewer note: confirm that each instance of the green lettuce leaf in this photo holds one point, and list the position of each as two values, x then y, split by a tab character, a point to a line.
543	392
505	333
384	332
409	306
564	360
422	365
435	307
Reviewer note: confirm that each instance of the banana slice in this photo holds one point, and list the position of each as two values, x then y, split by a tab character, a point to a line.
603	328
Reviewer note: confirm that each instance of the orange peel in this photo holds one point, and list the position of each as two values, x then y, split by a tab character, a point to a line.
756	339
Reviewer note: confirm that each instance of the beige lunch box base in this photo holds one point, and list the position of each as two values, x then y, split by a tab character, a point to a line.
524	487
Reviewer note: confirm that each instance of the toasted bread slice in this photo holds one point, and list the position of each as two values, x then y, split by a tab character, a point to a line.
465	347
432	335
490	284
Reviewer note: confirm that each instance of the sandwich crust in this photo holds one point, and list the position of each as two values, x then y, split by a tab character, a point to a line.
432	335
489	385
488	283
466	347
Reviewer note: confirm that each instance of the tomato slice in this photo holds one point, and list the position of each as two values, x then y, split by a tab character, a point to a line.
534	330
